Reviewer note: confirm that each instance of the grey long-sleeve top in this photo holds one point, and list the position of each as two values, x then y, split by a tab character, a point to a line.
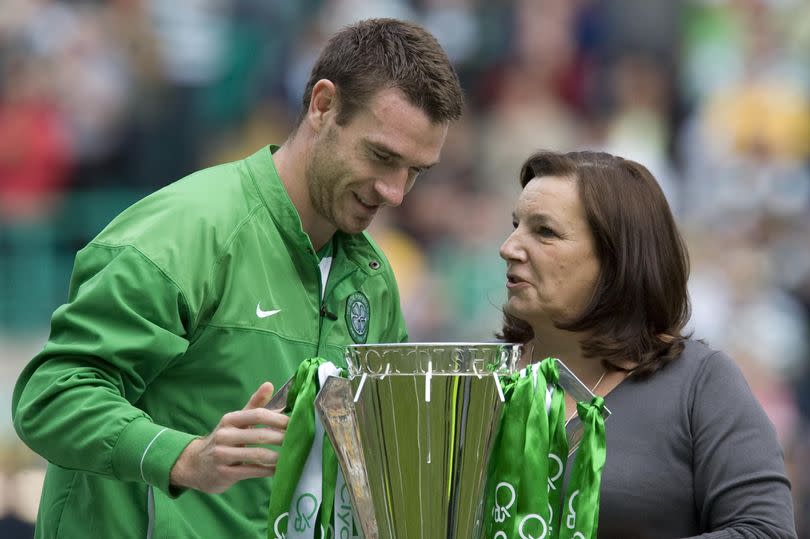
689	452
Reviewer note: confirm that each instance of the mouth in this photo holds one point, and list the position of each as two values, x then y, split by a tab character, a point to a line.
513	281
366	203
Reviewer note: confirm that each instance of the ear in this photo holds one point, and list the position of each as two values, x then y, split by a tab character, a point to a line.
322	104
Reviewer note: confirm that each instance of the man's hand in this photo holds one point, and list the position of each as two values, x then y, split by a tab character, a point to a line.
214	463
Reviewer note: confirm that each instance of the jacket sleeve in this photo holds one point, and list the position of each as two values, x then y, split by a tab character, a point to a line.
741	490
76	401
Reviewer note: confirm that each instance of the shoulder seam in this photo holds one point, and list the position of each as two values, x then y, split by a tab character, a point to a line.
231	238
155	265
693	385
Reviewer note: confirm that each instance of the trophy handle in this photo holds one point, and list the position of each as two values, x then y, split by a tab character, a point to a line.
335	408
580	392
279	400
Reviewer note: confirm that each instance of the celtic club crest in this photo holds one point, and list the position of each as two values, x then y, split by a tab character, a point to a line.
357	317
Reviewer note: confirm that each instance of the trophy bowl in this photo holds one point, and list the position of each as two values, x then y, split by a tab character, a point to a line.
413	427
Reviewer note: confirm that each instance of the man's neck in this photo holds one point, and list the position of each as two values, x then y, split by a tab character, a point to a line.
290	160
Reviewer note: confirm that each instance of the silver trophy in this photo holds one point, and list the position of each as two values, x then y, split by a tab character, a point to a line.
413	427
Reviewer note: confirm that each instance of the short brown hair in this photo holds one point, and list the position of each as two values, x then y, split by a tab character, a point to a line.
640	302
375	54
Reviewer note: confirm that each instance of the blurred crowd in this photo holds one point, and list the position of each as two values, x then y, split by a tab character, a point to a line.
103	101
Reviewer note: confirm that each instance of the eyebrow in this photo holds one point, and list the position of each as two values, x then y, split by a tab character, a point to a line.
537	219
379	146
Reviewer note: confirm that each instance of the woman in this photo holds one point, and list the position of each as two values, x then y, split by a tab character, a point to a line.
596	276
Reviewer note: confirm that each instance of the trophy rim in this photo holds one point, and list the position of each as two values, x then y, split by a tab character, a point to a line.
433	344
432	358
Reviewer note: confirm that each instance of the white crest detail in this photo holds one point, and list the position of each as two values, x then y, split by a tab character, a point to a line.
501	512
279	533
532	516
556	476
571	519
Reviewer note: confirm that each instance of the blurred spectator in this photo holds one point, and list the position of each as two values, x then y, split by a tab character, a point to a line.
21	477
639	124
92	86
34	153
192	45
523	106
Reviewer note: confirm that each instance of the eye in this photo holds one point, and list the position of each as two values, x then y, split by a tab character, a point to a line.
545	232
381	157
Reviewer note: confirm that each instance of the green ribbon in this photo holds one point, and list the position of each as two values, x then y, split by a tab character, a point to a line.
534	511
581	516
329	470
502	507
295	449
558	442
297	442
524	497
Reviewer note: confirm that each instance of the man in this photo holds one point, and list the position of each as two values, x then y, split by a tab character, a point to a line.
221	283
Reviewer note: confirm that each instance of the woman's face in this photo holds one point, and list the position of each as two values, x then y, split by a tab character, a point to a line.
551	266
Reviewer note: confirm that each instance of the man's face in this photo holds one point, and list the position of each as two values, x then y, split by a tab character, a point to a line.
371	161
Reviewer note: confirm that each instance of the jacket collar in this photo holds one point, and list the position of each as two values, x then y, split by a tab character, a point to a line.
357	247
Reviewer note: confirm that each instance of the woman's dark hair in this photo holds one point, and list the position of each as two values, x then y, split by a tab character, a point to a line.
375	54
640	302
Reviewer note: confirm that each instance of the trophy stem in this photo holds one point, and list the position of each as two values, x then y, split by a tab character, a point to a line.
337	416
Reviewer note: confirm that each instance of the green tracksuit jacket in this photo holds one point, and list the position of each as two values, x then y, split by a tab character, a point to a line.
169	324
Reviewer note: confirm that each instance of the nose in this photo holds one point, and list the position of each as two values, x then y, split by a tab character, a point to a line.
392	188
510	249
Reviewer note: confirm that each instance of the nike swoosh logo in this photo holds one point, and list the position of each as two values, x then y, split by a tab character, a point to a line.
264	314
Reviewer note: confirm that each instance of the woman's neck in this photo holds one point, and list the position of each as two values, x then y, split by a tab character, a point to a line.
565	346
